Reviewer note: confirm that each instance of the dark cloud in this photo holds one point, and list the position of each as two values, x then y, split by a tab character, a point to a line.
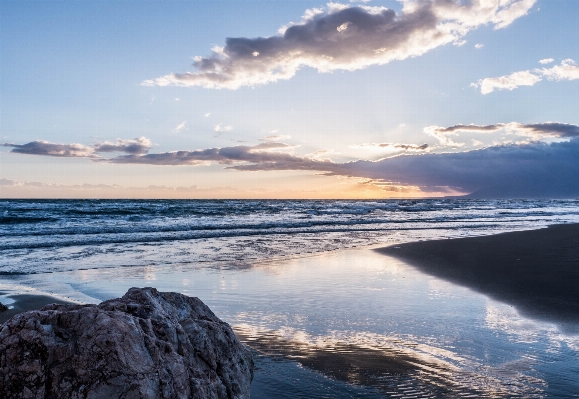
553	129
532	169
348	38
260	154
41	147
139	145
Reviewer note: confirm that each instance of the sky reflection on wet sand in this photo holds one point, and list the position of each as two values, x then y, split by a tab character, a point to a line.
360	318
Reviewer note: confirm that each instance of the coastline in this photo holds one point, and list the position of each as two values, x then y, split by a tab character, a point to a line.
537	271
25	302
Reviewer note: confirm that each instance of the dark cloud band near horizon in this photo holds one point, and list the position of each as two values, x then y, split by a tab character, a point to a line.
533	168
345	37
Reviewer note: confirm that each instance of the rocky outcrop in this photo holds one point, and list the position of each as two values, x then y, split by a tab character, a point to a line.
3	307
147	344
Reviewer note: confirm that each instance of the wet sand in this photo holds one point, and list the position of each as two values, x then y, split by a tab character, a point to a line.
26	302
536	271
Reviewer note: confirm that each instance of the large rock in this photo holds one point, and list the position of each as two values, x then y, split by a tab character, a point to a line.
3	307
147	344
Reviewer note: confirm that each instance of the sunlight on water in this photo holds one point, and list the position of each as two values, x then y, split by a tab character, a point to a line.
357	323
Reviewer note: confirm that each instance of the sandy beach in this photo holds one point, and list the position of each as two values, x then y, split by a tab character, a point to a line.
537	271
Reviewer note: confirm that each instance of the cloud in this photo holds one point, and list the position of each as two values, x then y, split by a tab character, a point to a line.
508	82
137	146
479	46
533	169
345	37
275	137
219	128
546	61
568	70
207	115
140	145
528	169
396	146
180	127
535	131
41	147
256	154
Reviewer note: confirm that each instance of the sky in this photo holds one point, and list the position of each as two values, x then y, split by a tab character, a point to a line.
289	99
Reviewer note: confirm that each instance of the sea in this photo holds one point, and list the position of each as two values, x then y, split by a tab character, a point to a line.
299	282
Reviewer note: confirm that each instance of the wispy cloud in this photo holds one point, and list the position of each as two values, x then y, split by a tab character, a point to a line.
180	127
479	46
395	146
275	137
345	37
220	128
568	70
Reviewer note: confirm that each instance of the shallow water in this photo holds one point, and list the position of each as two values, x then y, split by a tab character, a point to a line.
356	324
345	323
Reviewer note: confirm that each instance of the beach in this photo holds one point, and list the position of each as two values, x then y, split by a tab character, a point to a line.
537	271
408	316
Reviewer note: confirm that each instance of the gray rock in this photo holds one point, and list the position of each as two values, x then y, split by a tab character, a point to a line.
3	307
147	344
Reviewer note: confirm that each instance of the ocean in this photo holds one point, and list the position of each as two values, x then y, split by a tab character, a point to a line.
326	316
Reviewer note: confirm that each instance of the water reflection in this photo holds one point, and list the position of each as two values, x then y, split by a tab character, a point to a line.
361	324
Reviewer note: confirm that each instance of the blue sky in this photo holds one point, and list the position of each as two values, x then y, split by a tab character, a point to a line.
92	73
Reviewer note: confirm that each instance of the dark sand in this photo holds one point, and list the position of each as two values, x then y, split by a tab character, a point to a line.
25	302
536	271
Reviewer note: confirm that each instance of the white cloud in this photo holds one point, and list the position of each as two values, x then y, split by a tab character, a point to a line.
479	45
219	128
568	70
275	137
508	82
207	115
345	37
180	127
546	61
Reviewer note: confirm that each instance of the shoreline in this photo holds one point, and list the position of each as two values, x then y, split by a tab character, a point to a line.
537	271
515	275
25	302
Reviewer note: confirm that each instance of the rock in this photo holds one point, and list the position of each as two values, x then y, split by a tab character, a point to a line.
3	307
147	344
